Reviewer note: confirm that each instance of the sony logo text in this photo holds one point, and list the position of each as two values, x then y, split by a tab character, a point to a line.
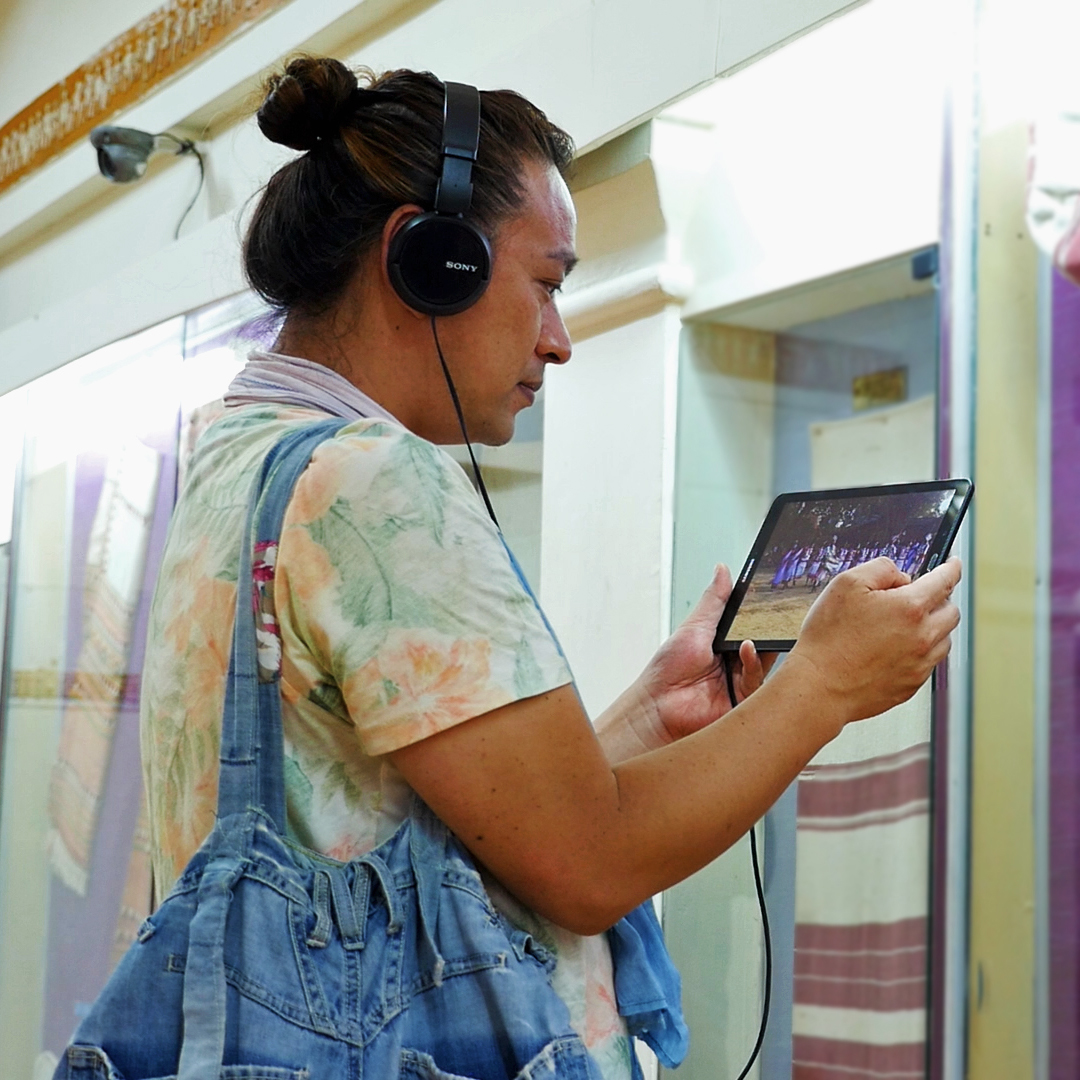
460	266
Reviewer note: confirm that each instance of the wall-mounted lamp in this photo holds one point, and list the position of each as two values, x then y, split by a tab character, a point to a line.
123	152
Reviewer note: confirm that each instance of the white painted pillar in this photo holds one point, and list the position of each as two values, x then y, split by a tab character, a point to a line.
609	441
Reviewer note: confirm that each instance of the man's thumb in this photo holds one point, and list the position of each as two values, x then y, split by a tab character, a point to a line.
711	605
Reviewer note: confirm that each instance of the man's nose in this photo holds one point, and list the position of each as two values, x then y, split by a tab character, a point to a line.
554	343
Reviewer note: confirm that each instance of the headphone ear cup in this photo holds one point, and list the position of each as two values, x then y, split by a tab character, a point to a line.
439	265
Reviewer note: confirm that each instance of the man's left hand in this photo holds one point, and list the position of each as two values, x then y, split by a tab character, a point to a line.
684	682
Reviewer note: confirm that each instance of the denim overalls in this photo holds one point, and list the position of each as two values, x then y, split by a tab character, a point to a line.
268	961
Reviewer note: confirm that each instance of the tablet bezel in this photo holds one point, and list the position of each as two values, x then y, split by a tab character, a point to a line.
939	548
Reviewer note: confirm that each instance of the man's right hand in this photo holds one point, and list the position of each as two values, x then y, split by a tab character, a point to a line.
873	637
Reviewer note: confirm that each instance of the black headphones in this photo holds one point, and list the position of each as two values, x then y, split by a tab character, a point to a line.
438	262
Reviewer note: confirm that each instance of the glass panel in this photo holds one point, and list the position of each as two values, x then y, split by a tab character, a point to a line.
5	569
97	487
839	401
12	409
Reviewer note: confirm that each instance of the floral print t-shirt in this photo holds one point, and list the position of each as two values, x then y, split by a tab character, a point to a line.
400	614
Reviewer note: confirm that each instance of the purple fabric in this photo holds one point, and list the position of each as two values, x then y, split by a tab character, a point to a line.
1065	685
939	746
939	739
81	929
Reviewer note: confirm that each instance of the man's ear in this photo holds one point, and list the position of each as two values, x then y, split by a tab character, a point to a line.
394	224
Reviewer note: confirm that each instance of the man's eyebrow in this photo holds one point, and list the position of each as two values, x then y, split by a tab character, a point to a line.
567	258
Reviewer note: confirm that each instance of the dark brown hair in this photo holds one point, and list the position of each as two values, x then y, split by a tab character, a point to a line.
368	150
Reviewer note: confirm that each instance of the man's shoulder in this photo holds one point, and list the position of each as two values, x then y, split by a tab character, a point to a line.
379	446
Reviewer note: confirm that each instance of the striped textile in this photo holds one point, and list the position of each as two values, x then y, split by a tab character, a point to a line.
861	916
95	690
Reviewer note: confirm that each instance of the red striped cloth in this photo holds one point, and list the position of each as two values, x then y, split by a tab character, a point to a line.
831	1059
862	836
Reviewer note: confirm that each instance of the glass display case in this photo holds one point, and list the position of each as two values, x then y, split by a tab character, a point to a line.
774	399
96	484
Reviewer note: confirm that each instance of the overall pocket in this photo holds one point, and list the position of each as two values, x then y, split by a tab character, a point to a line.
92	1063
564	1058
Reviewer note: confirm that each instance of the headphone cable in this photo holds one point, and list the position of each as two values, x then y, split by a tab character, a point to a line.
759	887
461	421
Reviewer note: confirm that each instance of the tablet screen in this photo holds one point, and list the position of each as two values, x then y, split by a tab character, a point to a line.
810	537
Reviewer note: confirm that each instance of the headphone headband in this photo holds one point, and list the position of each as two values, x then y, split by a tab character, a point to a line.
460	140
438	262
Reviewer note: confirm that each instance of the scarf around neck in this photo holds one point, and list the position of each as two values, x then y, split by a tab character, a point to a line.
270	378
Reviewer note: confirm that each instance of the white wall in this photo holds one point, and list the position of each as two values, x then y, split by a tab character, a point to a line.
822	157
608	464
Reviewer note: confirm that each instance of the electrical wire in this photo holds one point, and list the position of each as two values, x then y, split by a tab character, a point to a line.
461	421
186	146
759	887
202	176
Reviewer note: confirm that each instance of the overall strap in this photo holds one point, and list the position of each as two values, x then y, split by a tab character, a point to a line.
252	748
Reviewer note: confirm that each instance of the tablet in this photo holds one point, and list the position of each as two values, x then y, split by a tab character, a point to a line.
811	536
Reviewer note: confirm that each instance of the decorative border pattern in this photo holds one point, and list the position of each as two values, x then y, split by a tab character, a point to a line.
123	73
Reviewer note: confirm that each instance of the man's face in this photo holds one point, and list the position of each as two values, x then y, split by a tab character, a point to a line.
498	349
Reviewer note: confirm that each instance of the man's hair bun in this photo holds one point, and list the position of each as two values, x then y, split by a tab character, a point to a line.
308	102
